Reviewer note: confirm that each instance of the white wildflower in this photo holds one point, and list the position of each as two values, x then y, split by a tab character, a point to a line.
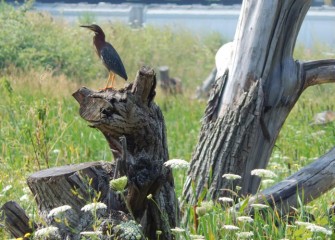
58	210
226	199
305	224
5	189
276	155
47	233
263	173
24	198
93	206
259	206
208	205
318	133
177	230
230	227
245	219
319	229
231	176
91	233
26	190
267	181
245	234
56	151
197	237
177	164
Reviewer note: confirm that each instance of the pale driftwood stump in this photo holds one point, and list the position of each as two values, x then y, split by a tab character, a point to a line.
131	114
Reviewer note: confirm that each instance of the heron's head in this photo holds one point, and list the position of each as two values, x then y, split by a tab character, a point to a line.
95	28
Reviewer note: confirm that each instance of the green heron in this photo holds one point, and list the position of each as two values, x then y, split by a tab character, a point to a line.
108	55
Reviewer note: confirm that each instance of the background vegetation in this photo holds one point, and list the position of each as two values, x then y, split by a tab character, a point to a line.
42	61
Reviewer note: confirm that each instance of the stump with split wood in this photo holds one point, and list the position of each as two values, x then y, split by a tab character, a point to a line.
169	85
135	131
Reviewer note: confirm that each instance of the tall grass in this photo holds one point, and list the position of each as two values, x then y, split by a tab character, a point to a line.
42	61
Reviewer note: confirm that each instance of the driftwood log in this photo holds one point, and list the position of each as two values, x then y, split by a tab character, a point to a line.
305	185
135	131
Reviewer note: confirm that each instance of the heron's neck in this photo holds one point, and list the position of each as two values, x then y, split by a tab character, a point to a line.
99	41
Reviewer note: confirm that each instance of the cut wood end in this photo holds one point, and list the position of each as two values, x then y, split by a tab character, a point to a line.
148	71
81	93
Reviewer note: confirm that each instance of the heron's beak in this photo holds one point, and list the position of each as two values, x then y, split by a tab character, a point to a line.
87	26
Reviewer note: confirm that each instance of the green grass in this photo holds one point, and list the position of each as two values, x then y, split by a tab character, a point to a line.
42	62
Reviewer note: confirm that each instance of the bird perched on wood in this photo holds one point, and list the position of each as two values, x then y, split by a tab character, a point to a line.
108	55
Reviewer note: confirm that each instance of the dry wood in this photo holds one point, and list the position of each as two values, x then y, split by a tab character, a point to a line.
307	184
169	85
135	131
74	185
131	114
204	89
16	220
252	99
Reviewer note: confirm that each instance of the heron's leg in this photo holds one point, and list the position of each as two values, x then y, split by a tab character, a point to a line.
109	79
113	80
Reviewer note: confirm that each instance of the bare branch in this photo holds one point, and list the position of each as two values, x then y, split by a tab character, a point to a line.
318	72
309	183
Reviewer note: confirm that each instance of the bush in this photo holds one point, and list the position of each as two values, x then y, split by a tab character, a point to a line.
35	40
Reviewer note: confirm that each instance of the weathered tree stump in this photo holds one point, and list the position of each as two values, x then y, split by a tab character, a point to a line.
169	85
16	220
131	114
73	185
135	131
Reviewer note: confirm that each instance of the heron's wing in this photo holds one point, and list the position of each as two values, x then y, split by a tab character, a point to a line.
112	60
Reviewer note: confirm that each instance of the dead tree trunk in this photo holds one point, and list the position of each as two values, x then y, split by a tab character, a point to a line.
252	98
131	114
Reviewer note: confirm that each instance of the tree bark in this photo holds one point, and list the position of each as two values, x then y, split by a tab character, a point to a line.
131	114
252	99
16	220
73	185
